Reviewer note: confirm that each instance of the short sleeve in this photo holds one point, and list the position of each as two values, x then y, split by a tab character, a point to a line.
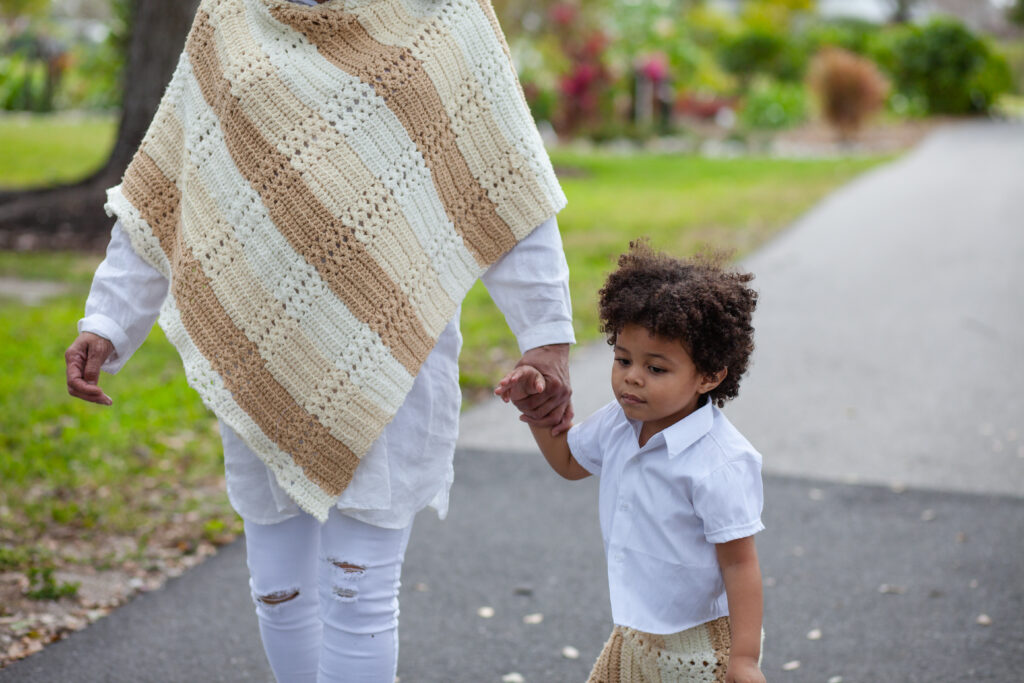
586	439
729	500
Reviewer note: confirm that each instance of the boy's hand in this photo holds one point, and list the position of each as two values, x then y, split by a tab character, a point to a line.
743	670
83	359
523	381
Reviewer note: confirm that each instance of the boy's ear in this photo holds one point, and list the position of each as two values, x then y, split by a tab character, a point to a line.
712	380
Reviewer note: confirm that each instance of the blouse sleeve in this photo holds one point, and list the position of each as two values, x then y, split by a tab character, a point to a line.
124	300
530	284
729	500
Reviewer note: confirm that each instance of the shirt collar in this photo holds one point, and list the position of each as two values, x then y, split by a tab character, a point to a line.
684	433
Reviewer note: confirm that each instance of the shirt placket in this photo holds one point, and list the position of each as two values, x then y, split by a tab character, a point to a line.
622	515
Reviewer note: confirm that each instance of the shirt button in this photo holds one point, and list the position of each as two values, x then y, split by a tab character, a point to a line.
624	506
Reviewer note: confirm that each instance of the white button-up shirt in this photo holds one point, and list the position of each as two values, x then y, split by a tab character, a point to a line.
664	506
410	466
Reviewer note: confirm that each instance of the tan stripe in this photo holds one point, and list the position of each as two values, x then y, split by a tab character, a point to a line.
518	196
336	177
399	78
325	461
317	385
325	242
720	635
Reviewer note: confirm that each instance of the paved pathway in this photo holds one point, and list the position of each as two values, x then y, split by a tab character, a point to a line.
885	333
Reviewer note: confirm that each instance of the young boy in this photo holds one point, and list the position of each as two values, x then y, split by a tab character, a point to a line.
680	493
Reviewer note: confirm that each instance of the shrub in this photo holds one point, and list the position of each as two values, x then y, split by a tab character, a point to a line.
951	69
760	51
772	105
850	89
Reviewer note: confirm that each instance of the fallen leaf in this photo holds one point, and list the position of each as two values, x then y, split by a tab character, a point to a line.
983	620
523	590
791	666
569	652
513	677
535	618
836	679
814	634
891	589
485	612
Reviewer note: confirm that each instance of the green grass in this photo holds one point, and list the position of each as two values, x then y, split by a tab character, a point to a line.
45	150
152	461
148	466
680	203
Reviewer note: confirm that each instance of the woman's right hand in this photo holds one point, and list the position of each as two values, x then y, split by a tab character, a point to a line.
84	358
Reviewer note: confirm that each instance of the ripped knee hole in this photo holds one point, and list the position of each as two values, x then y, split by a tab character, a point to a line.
277	597
348	567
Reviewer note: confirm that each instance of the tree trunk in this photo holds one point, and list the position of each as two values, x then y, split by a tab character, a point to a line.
901	11
72	215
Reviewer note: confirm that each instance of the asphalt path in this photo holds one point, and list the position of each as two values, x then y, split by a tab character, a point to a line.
885	398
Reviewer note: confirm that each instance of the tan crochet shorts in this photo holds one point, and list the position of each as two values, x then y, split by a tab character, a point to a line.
700	654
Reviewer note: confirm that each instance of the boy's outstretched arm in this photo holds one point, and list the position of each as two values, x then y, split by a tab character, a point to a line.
741	573
527	379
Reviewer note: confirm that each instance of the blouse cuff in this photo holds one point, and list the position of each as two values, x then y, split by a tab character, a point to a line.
101	325
557	332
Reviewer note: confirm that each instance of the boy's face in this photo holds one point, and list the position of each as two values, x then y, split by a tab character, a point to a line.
655	380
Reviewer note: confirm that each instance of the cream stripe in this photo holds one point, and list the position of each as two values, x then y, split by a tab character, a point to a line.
519	200
376	135
325	392
499	83
208	383
355	347
166	149
335	175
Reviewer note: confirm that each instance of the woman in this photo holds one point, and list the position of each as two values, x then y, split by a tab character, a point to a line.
319	188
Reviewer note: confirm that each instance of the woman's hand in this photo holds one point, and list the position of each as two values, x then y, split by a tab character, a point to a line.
83	359
551	406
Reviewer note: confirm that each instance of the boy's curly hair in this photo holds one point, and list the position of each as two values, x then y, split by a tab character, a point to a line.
697	301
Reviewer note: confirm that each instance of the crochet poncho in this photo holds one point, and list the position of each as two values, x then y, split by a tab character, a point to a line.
321	186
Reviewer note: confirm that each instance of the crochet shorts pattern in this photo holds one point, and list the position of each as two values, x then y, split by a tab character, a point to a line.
697	654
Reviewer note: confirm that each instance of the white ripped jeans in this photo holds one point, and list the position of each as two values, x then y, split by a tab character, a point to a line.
327	597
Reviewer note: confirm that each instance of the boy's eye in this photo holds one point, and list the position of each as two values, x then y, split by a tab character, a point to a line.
622	361
655	369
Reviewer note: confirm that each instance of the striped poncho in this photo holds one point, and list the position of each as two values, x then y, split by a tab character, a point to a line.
321	186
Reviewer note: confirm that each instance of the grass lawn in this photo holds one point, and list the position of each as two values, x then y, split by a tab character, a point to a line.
50	149
148	469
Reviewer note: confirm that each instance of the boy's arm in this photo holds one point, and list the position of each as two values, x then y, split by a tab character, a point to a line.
527	379
741	573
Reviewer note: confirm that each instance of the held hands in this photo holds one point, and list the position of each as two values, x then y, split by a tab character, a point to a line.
539	387
83	359
743	670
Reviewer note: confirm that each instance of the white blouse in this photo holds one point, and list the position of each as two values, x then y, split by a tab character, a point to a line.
410	466
664	506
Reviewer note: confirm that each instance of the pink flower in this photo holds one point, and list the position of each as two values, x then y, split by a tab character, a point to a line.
654	67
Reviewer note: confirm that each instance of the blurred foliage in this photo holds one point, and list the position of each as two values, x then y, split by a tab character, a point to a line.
952	70
48	64
771	104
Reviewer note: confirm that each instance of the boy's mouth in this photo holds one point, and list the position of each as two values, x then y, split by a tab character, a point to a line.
630	399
